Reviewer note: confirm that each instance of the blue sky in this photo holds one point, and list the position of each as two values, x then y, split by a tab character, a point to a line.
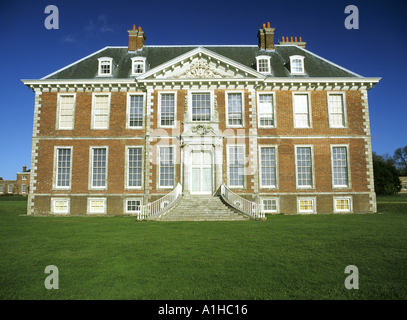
30	51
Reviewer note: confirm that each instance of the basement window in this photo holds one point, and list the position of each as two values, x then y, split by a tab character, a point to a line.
105	66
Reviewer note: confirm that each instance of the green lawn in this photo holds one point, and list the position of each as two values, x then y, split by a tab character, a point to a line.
285	257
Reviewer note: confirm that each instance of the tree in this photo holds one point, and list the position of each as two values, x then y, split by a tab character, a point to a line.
386	178
400	158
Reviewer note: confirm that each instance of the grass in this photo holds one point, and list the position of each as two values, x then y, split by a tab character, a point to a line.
285	257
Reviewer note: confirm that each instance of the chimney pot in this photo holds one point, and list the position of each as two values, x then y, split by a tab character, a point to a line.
295	39
300	39
24	168
291	39
134	27
139	29
264	25
268	24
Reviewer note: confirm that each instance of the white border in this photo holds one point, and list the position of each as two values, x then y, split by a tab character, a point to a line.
55	171
96	199
57	126
276	165
126	168
314	205
312	166
129	94
68	200
349	186
227	92
294	93
160	93
273	93
90	184
92	123
345	118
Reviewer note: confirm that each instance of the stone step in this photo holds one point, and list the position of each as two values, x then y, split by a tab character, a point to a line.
201	208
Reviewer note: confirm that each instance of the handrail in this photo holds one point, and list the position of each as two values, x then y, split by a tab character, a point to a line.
250	208
159	205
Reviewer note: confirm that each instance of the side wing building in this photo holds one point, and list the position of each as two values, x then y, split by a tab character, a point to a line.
273	124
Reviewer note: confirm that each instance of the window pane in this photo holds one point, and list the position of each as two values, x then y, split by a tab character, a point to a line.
167	109
263	66
236	166
201	107
268	167
135	167
101	112
340	166
99	168
266	109
66	112
166	167
301	111
304	168
136	111
235	108
336	111
63	167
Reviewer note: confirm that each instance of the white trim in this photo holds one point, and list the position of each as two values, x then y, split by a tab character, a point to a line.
276	166
92	124
160	93
55	171
308	94
126	173
346	146
129	94
201	166
90	183
89	200
58	127
350	203
273	94
228	165
227	92
314	205
312	186
22	190
68	205
344	114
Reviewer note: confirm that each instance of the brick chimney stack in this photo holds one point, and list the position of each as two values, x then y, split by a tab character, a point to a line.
24	168
266	37
137	38
286	41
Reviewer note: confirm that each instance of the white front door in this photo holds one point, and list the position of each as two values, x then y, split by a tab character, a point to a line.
201	165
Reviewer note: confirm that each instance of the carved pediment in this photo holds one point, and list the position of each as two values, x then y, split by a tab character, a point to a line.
199	69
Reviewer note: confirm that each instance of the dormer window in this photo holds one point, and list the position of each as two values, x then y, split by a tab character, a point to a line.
138	65
263	64
297	64
105	66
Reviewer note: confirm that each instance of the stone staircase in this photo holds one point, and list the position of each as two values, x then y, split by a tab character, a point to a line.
201	208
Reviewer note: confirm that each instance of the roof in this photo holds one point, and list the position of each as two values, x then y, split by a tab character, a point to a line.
315	66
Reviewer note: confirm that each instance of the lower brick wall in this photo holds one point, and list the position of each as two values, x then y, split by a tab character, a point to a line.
287	204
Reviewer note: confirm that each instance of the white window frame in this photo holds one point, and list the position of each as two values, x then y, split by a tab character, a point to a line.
275	186
129	95
90	185
125	209
127	167
89	201
55	171
24	177
174	157
8	188
297	57
228	165
300	93
102	62
68	207
59	101
273	94
349	198
314	205
344	116
276	199
1	188
227	93
211	97
258	58
94	95
23	188
160	93
346	146
404	185
138	60
312	186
